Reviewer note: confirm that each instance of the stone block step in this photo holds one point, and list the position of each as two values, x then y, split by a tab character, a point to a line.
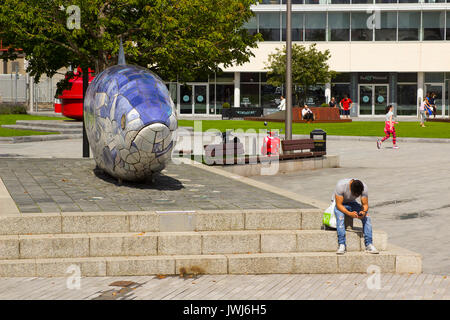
178	243
394	260
43	128
51	123
161	221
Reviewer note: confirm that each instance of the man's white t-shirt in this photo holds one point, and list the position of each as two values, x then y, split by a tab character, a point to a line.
305	111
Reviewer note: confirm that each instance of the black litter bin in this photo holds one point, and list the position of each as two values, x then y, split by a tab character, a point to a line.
320	139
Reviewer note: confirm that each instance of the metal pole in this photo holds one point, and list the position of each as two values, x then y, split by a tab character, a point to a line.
85	71
288	119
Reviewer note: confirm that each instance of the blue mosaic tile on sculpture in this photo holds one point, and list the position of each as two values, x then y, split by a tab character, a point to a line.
136	99
123	106
112	88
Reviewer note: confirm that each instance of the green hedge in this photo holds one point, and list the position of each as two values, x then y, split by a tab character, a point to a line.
13	109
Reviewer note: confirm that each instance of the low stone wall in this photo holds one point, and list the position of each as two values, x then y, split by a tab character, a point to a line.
284	166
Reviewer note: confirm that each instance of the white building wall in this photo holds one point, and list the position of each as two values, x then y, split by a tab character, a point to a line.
429	56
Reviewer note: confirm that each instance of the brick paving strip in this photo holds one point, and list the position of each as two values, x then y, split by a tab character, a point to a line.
233	287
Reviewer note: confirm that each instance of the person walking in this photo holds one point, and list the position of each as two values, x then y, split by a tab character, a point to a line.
389	128
346	106
345	195
422	112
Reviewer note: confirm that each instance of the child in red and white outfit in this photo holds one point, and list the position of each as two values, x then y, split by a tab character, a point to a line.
389	128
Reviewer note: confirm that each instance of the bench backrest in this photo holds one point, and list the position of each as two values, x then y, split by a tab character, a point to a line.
298	144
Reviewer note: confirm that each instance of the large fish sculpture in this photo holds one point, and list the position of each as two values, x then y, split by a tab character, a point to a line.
130	121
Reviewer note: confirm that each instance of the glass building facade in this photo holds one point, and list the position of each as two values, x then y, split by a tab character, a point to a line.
389	23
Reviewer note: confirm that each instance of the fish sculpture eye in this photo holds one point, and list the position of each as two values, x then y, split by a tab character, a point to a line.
123	122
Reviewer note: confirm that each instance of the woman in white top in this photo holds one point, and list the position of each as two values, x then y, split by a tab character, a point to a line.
422	112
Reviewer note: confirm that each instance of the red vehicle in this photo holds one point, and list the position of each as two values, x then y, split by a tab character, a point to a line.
72	100
271	143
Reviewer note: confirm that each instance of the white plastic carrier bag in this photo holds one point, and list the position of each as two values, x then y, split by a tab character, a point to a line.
329	218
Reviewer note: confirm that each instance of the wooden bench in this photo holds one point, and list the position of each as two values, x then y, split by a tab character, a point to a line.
304	146
224	149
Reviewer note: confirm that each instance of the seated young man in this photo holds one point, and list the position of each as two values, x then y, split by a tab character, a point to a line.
345	195
307	114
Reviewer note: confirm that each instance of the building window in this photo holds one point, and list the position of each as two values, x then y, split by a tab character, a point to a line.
433	25
448	25
408	26
297	26
362	1
339	26
315	26
294	2
360	31
407	77
339	90
249	95
339	1
407	99
251	26
269	26
224	93
270	96
388	31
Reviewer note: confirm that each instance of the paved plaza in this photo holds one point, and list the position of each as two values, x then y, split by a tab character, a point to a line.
72	185
232	287
408	194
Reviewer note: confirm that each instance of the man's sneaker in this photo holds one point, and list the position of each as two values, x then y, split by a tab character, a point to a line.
341	249
395	147
378	144
371	249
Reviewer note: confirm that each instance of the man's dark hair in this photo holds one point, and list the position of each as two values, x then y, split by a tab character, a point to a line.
357	188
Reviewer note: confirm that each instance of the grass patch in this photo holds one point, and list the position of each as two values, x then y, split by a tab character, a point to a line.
356	128
12	118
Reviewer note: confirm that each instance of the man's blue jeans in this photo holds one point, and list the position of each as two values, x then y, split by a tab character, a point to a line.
340	226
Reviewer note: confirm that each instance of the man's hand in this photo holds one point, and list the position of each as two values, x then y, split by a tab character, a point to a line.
362	215
354	214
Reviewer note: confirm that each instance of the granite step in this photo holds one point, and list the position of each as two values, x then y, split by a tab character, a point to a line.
179	243
51	123
393	260
44	128
161	221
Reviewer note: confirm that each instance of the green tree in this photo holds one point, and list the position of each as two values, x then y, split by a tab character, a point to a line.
177	39
309	67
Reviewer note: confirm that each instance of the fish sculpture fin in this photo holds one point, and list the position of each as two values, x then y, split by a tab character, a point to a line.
121	60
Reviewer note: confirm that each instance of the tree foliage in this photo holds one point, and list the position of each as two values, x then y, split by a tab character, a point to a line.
177	39
309	67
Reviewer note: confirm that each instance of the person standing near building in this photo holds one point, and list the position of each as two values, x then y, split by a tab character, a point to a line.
422	112
346	106
332	103
345	195
282	105
433	103
389	128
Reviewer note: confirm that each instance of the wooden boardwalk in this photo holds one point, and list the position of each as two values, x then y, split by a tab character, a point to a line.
233	287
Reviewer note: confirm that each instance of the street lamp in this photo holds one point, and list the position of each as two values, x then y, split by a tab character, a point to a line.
288	118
